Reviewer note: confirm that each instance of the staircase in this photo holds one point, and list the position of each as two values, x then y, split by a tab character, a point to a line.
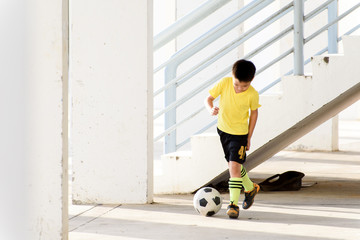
305	103
302	104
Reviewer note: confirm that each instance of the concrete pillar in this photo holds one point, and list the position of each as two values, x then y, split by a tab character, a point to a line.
111	85
46	117
33	102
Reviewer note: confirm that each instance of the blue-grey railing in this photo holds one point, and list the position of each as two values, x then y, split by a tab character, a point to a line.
172	81
187	21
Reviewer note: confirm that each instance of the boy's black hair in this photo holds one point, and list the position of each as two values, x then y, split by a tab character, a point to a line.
244	70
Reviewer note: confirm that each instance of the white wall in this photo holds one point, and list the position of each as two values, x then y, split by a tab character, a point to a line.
34	73
111	76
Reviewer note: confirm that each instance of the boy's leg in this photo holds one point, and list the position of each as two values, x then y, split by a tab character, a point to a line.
247	183
238	180
236	156
235	182
238	171
235	186
251	189
234	147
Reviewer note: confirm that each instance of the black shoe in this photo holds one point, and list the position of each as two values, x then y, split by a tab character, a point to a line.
232	211
249	197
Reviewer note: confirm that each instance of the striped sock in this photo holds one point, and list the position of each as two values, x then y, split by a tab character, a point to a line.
247	183
235	186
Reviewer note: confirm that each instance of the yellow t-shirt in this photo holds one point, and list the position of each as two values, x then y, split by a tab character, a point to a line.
234	107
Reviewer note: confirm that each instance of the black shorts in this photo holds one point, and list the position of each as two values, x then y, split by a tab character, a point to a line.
234	146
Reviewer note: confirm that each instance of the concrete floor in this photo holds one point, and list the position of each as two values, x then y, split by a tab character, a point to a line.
329	208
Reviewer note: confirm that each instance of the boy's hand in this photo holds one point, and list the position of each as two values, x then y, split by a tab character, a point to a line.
248	145
214	111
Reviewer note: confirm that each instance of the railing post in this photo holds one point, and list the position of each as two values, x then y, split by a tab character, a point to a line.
170	116
333	48
298	37
333	30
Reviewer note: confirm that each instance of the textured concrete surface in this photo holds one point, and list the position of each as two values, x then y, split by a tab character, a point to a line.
329	208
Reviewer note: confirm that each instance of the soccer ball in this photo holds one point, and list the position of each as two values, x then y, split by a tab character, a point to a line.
207	201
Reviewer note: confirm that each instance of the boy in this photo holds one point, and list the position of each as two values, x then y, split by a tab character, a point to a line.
237	97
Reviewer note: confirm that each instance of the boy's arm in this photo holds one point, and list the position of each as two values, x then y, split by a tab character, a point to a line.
210	106
252	123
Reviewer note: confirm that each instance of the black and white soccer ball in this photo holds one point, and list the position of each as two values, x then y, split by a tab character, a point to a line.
207	201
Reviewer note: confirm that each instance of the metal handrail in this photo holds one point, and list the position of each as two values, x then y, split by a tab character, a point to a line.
318	10
274	17
194	47
187	21
214	33
226	49
251	54
312	36
250	33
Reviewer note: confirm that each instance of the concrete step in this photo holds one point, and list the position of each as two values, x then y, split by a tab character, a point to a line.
185	171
